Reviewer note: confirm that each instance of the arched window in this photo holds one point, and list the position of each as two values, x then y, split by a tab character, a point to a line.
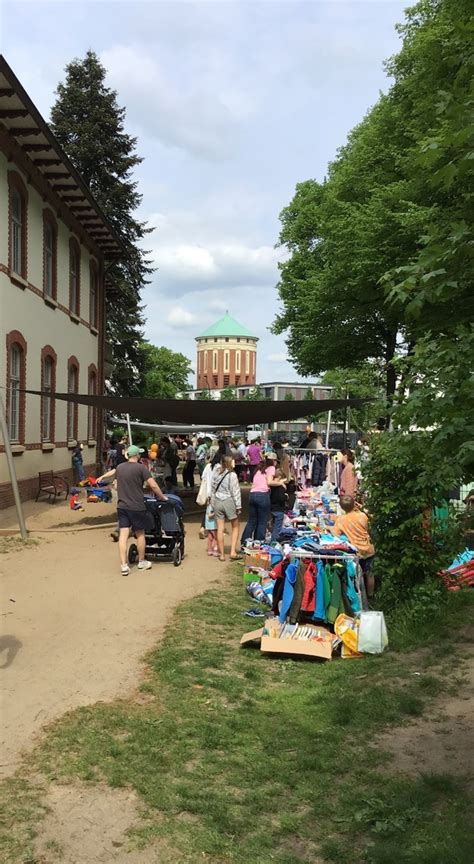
48	377
74	276
72	408
49	254
16	383
226	361
214	361
91	412
18	212
237	362
94	295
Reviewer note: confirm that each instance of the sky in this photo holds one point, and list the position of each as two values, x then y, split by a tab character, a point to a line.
233	104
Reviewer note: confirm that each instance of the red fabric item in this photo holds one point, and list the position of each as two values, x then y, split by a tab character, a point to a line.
308	603
277	572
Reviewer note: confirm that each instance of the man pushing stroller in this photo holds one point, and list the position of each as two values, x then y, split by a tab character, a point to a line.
131	507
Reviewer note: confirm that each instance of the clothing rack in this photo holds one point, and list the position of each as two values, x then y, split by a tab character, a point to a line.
317	555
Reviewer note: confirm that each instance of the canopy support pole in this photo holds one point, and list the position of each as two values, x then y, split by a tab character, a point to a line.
130	442
328	427
11	469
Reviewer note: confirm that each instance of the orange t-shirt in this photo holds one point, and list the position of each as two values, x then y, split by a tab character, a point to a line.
355	526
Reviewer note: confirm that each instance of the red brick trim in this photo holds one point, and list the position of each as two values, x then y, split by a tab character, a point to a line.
39	293
75	249
16	338
15	182
73	361
49	219
15	154
47	351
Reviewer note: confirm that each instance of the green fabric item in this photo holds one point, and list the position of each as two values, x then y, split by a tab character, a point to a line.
298	592
336	605
227	326
327	586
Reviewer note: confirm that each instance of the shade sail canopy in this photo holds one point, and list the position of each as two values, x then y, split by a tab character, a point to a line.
208	412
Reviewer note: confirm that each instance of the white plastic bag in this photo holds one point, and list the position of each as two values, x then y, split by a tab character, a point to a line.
202	494
373	637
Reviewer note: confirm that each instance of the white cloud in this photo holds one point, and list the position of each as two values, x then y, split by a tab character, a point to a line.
189	114
180	317
277	358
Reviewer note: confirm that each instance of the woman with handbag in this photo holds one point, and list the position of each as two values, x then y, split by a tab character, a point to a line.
226	504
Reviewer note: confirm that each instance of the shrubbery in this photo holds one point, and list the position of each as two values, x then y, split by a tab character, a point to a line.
402	489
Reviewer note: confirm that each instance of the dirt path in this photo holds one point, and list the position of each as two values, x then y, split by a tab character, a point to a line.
74	630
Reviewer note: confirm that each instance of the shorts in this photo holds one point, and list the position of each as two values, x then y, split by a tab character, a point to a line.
224	508
136	519
366	564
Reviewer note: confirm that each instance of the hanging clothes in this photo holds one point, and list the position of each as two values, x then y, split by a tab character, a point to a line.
308	602
298	591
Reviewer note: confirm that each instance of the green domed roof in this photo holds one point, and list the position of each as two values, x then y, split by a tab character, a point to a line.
227	326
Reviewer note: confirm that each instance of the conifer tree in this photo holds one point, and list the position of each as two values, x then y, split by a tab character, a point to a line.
90	126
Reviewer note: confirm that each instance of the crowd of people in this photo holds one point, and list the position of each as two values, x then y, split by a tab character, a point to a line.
221	466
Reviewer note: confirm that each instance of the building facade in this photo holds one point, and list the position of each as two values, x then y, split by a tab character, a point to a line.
226	356
54	247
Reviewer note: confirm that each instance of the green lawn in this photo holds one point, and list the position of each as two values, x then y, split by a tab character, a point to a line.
245	759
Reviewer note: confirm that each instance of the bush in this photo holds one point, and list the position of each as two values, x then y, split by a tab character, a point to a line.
402	489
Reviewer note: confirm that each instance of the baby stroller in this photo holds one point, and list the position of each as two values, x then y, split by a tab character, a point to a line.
164	530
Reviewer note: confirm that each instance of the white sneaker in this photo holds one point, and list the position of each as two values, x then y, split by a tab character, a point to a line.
125	569
144	565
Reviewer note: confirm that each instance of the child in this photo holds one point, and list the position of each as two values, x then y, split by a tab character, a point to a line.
278	502
210	525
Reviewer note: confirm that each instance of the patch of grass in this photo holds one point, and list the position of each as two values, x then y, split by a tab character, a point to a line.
16	544
20	810
243	758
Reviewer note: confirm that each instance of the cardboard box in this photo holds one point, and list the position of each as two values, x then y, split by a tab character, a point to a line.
320	649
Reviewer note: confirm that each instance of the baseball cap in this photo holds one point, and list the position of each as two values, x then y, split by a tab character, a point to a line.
271	455
133	451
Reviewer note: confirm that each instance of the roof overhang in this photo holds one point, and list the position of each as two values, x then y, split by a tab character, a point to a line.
22	122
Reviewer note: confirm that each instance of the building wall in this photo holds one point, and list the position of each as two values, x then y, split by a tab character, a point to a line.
42	323
226	362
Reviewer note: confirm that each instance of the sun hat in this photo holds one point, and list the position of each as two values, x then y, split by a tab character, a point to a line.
133	451
271	455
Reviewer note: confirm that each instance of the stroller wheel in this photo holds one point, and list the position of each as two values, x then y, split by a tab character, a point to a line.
132	553
177	556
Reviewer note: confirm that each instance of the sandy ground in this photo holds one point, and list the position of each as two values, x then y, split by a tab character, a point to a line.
73	630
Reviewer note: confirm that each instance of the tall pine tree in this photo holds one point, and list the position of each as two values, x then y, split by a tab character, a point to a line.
89	124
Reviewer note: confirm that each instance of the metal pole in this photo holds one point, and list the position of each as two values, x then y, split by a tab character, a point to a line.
344	433
130	442
328	427
11	469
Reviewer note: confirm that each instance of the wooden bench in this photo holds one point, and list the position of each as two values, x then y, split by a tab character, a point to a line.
52	485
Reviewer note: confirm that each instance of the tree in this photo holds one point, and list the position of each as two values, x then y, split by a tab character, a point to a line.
89	124
343	235
434	74
309	395
204	395
165	372
289	397
363	382
228	394
256	395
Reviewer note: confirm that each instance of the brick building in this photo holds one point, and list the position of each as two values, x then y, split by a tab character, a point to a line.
226	356
55	243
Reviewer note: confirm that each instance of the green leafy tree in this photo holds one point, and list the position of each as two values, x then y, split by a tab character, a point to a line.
343	235
309	394
363	382
256	395
228	394
90	126
289	397
433	84
165	372
204	395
